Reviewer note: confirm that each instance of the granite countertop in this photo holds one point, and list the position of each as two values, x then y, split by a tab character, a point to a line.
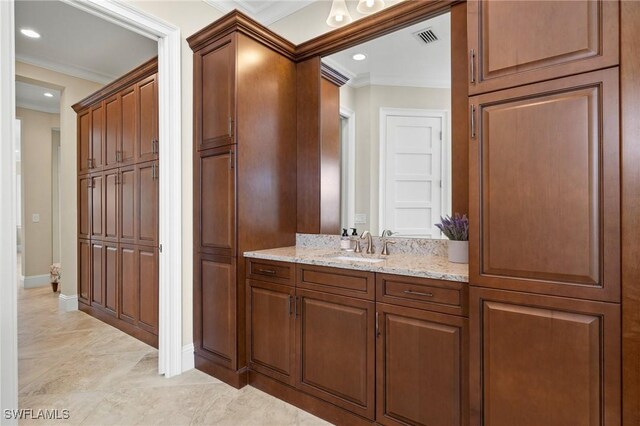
413	265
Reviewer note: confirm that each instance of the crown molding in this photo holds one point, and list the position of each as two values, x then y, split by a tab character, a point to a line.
73	71
36	107
267	13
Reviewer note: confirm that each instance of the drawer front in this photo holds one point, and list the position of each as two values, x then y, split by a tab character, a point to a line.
345	282
422	293
271	270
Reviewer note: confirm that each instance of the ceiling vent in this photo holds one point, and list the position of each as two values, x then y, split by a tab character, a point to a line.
426	36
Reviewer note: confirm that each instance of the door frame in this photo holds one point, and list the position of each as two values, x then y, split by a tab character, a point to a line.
445	168
350	149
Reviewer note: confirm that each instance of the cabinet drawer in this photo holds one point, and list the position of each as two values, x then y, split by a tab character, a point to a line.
345	282
423	293
270	270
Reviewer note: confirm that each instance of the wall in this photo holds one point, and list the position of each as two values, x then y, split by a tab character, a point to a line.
36	140
55	197
366	102
73	89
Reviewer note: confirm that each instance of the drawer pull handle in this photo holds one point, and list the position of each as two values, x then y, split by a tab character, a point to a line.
418	293
267	271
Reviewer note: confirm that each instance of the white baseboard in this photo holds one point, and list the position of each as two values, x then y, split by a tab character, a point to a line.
67	303
34	281
188	362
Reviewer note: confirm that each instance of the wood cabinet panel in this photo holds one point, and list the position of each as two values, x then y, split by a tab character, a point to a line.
128	209
97	273
346	282
421	367
129	135
543	360
336	350
84	271
148	289
112	126
558	166
271	270
97	225
272	330
147	203
111	204
97	136
84	142
84	206
512	49
129	284
215	93
111	275
148	119
216	201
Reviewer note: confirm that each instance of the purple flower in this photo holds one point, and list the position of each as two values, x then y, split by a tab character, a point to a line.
455	227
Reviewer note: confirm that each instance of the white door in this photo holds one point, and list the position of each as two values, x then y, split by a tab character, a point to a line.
413	175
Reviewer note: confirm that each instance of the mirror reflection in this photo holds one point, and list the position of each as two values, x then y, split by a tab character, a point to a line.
395	114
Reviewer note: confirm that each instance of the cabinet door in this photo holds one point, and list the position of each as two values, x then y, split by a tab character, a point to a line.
112	119
97	273
128	204
84	206
110	267
84	138
215	309
148	291
110	204
97	229
510	47
336	350
148	121
97	135
84	271
129	135
421	365
541	360
545	188
272	330
215	203
128	284
147	219
215	93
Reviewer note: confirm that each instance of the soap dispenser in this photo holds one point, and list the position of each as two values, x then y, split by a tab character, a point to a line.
345	241
354	237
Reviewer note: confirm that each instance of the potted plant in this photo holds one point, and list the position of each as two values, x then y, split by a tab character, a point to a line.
55	271
456	228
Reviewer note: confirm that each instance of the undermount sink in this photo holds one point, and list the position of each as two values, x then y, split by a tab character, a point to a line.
358	259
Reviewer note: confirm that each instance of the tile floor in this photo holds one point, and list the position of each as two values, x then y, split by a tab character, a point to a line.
105	377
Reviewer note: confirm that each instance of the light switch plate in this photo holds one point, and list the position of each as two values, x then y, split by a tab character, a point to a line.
35	218
360	218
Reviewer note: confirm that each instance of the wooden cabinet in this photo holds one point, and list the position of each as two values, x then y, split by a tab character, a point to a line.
147	203
112	135
110	208
84	142
85	190
509	47
97	273
84	271
129	284
543	360
129	108
128	210
97	225
545	193
147	109
148	288
421	367
111	269
97	136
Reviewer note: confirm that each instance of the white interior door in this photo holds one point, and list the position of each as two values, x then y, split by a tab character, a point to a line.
413	175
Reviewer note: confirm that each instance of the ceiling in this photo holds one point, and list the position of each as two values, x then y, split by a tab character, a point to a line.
77	43
31	96
400	58
265	12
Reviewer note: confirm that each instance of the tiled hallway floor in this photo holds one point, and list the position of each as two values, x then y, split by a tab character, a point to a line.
105	377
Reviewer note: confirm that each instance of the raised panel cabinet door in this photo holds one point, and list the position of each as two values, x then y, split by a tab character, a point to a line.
112	126
97	274
509	47
148	121
128	284
148	282
147	219
545	188
216	201
97	137
215	93
84	271
421	367
97	225
336	350
541	360
129	118
110	204
128	204
272	330
84	142
111	277
215	299
84	206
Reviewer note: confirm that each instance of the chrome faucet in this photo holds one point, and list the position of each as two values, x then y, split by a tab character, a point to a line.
385	242
367	234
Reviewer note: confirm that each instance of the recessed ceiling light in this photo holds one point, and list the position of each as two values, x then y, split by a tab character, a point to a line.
49	95
359	57
30	33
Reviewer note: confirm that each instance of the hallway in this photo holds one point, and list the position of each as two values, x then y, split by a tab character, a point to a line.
103	376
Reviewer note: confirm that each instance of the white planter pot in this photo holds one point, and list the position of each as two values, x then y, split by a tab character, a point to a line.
459	251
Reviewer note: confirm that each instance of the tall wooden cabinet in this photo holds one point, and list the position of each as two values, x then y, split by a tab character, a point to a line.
244	177
118	203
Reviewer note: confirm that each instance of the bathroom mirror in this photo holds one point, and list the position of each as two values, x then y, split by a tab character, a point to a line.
395	122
